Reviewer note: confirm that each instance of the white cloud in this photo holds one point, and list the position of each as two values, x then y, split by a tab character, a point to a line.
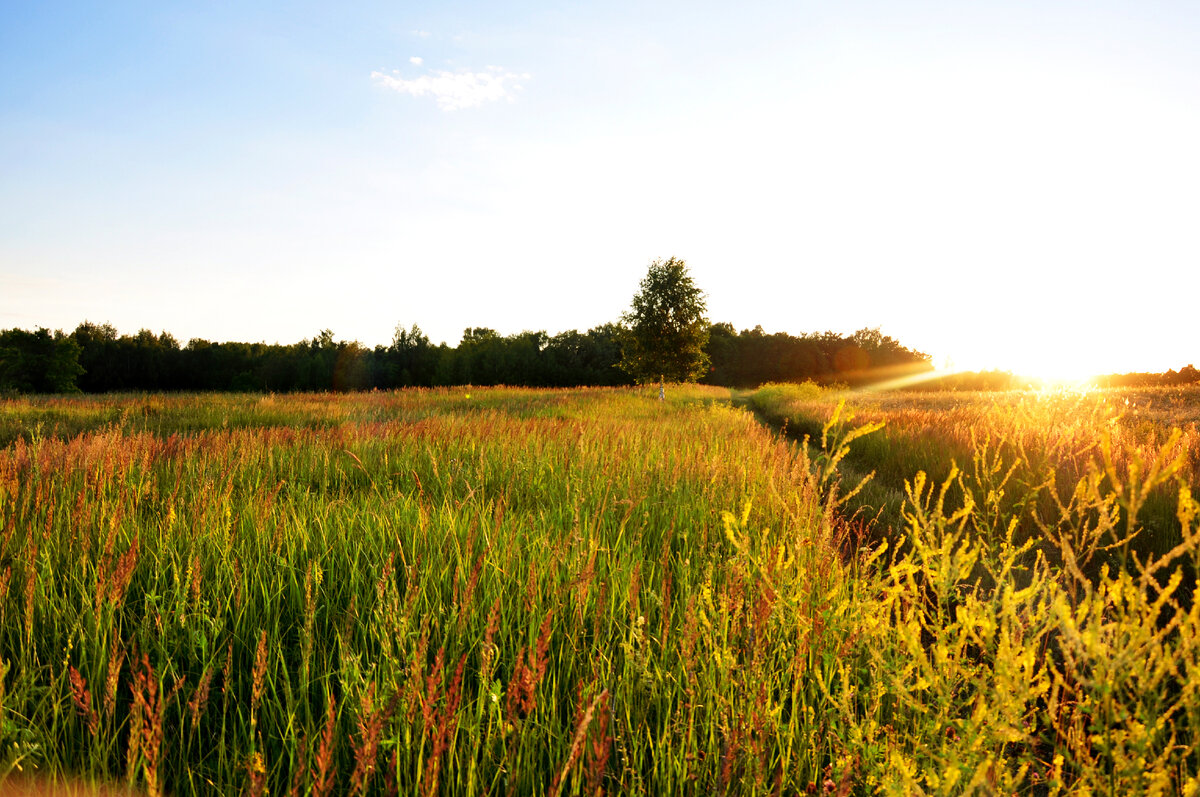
456	90
422	34
416	60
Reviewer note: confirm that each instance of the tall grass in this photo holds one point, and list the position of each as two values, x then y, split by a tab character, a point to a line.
463	591
988	659
1045	440
569	592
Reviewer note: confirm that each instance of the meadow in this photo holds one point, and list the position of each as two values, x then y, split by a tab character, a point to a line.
510	591
1046	441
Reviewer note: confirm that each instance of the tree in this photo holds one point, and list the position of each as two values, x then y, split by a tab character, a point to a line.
350	370
412	360
38	362
97	353
722	351
667	328
323	354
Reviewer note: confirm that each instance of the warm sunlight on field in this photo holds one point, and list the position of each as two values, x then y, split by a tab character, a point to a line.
1046	365
462	590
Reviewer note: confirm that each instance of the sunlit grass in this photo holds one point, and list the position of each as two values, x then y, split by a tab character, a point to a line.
568	592
1040	432
1031	624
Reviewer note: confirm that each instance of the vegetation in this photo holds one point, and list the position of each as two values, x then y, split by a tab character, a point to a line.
106	361
664	335
465	591
667	328
751	358
38	362
1049	439
523	591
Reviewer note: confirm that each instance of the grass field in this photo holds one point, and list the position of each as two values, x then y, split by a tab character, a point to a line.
1049	440
513	591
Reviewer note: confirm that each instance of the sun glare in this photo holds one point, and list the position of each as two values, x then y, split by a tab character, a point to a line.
1050	372
1053	372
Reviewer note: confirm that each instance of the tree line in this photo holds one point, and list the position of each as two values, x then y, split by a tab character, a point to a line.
96	358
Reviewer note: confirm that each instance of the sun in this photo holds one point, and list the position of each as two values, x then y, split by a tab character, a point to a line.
1054	373
1050	369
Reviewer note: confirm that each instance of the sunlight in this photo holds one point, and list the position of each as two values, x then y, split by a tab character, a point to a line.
1063	366
1053	373
1061	386
909	380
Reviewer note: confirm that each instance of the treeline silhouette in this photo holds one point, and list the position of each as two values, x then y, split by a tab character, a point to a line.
95	358
752	357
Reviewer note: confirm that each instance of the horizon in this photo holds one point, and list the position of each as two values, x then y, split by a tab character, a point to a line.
1007	186
937	370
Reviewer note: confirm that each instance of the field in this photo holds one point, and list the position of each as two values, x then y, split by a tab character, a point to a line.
1046	442
513	591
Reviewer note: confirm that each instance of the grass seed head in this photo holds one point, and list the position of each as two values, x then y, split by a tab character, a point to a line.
116	658
30	590
260	672
300	767
324	773
200	697
543	648
83	700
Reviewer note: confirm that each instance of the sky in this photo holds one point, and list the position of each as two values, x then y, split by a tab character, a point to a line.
998	184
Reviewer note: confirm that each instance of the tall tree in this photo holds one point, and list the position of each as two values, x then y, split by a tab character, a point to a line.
667	327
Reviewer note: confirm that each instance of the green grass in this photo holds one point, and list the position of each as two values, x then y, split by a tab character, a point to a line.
519	591
1048	439
375	540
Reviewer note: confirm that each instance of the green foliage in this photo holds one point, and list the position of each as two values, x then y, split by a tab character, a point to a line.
667	328
411	359
38	362
115	363
752	357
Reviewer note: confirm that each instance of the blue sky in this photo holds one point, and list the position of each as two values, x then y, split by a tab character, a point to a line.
997	183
